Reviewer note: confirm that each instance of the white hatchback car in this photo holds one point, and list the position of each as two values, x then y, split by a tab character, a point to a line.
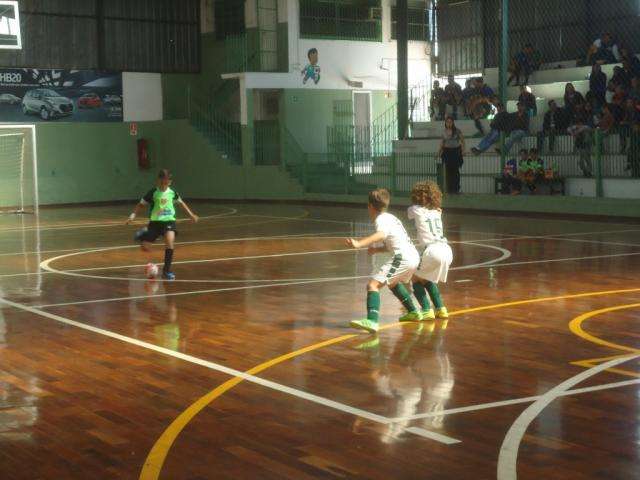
47	103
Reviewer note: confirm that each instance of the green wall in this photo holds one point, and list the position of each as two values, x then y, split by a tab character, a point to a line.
88	162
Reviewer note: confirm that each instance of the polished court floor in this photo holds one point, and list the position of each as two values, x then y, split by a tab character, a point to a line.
245	367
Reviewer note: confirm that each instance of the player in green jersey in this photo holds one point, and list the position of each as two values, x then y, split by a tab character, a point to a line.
162	219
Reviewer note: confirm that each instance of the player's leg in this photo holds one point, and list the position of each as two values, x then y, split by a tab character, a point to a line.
420	292
370	323
169	241
403	294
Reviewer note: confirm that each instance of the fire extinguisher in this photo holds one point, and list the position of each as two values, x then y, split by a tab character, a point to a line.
144	160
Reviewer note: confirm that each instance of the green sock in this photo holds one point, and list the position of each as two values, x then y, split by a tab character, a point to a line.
373	306
421	294
404	296
434	293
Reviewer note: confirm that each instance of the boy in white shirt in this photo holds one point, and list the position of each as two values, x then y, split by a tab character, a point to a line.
397	270
436	253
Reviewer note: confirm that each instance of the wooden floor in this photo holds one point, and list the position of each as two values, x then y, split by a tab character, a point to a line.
245	368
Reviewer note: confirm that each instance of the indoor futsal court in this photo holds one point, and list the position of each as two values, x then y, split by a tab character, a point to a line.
245	366
319	239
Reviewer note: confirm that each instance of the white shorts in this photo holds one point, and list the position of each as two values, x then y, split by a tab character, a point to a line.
435	262
396	269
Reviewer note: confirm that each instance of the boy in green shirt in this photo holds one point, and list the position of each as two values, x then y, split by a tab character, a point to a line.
162	219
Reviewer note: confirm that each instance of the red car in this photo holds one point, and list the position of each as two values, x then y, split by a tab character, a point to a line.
89	100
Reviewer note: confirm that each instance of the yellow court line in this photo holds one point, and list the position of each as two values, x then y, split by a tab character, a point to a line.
158	454
576	327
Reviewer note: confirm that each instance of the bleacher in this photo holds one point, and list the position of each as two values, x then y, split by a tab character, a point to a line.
478	172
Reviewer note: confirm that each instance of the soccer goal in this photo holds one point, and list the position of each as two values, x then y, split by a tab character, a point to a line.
18	169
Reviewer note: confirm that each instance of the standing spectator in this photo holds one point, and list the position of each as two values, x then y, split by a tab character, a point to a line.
598	84
467	94
604	51
437	101
555	123
453	95
572	99
498	124
451	152
518	127
630	62
529	100
582	136
523	64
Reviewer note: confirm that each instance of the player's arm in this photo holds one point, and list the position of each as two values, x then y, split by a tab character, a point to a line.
186	208
365	242
139	206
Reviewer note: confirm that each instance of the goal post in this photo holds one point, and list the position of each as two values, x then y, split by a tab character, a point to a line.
18	169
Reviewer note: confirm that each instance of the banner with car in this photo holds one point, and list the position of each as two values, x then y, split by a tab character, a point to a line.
32	95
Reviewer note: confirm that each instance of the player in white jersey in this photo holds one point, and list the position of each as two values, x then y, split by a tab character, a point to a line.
436	254
398	270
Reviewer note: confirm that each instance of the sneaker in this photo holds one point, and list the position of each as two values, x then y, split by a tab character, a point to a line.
428	314
169	275
411	317
442	313
475	151
365	324
139	234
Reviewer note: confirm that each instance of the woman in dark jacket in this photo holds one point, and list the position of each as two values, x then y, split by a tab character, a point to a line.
598	84
572	99
451	152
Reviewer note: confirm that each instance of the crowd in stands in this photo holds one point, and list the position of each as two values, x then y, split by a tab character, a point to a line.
611	106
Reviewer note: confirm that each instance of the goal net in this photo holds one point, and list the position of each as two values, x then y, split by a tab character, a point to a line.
18	169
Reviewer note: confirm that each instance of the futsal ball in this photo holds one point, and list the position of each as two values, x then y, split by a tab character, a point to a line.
151	270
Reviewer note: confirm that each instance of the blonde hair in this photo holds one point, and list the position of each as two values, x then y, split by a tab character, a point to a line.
427	194
379	199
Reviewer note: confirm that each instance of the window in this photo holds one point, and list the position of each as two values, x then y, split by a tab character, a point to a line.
229	18
417	26
341	19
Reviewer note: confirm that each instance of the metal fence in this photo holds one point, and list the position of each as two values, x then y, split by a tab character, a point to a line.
341	19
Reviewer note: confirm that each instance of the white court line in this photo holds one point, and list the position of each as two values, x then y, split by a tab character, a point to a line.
336	279
71	226
514	401
192	242
230	371
507	460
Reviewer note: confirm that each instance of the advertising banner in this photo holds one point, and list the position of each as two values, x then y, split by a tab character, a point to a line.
31	95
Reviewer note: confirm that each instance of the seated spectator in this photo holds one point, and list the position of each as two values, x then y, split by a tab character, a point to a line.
467	94
630	62
572	99
604	51
589	114
598	84
531	170
555	123
630	117
437	102
480	103
453	95
582	135
634	91
518	127
607	121
529	100
498	124
511	184
621	77
523	64
617	102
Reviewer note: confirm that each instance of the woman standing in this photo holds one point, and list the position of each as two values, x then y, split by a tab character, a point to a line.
451	150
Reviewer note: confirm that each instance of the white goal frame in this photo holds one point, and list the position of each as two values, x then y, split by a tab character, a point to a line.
34	137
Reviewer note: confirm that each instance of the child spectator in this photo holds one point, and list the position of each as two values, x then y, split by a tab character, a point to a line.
511	184
529	100
582	135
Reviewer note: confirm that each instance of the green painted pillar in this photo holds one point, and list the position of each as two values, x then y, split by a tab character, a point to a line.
504	70
599	149
403	64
